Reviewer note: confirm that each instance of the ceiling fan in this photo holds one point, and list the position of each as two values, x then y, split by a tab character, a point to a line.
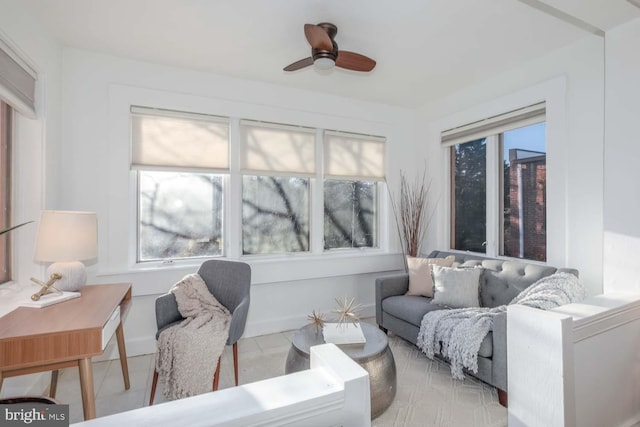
325	54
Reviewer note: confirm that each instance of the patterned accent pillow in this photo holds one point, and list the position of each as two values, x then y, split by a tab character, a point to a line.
420	282
456	287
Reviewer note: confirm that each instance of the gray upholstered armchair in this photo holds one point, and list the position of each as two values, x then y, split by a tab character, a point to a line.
230	283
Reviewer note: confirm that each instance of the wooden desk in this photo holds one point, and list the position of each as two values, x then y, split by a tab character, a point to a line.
66	334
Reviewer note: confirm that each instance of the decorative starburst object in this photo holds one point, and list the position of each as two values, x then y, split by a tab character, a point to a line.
317	319
347	311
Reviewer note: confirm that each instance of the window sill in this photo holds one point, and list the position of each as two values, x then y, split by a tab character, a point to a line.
158	278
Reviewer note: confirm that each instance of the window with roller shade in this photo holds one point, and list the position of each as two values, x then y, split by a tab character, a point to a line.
499	186
17	95
181	161
277	163
286	175
353	167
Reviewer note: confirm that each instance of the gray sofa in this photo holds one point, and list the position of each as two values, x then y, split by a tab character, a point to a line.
501	281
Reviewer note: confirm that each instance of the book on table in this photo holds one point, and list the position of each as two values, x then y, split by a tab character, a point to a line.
345	333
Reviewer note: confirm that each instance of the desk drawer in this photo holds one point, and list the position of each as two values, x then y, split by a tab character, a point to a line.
110	327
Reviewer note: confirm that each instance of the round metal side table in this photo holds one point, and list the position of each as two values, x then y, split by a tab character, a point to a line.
374	356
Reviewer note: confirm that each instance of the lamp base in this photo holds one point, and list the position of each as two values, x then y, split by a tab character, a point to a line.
73	273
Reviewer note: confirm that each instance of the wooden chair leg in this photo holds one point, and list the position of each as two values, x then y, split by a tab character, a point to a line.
235	360
503	398
153	386
216	376
54	384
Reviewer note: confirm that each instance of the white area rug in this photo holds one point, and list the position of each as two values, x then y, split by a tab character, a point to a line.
428	396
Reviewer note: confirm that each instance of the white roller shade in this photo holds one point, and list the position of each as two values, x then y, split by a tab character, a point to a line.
173	140
17	82
494	125
277	149
351	156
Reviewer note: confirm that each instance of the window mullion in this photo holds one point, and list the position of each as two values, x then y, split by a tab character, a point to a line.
232	222
493	196
316	220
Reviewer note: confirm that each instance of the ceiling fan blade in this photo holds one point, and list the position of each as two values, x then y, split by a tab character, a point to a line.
317	37
299	64
354	61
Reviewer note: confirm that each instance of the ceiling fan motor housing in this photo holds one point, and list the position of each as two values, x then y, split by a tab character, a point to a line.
331	31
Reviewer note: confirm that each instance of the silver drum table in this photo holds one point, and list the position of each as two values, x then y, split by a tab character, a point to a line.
375	357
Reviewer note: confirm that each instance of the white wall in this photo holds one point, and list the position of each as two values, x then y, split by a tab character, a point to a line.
622	156
95	175
571	80
36	144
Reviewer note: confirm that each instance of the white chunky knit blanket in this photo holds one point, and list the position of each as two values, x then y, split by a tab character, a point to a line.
188	352
458	333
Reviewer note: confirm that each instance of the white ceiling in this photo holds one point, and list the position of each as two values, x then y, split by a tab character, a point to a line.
425	49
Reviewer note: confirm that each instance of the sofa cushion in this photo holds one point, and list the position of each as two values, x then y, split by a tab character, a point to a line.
420	282
409	308
456	287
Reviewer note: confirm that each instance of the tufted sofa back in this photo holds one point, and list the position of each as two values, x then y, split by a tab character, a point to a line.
502	280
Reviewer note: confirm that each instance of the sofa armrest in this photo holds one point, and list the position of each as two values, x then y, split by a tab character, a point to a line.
499	358
389	286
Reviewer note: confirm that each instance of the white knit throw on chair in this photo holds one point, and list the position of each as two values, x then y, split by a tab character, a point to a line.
188	352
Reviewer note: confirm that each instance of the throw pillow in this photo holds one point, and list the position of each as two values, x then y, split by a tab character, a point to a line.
456	287
420	282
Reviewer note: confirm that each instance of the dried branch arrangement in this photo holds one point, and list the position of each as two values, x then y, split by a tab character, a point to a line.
413	213
412	216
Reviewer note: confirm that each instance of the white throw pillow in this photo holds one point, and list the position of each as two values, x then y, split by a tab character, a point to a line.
456	287
420	282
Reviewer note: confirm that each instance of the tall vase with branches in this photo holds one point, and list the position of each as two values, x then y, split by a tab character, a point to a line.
412	216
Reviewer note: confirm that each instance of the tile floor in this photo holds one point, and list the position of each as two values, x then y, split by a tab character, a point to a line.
463	403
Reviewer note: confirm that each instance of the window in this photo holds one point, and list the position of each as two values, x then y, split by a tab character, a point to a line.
353	165
17	94
350	214
5	191
181	160
277	163
283	174
498	185
275	214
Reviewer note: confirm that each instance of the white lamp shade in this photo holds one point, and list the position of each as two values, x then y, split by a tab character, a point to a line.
65	236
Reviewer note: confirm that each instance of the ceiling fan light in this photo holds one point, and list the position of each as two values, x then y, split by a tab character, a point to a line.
324	63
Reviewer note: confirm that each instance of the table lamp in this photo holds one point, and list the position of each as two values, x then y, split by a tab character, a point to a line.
66	238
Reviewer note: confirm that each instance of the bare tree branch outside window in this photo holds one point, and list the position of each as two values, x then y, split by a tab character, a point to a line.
275	214
350	214
180	215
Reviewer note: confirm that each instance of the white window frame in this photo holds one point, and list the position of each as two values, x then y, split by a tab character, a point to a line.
553	94
494	217
232	208
117	225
